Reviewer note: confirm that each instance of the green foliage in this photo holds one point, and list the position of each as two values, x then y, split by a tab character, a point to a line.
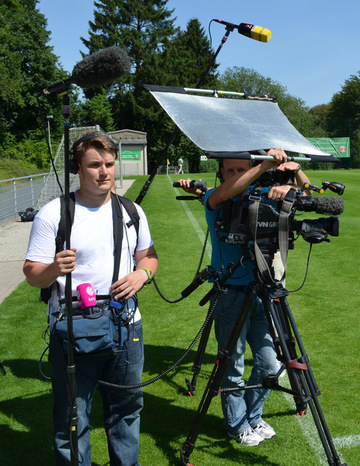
188	57
355	148
29	67
251	82
346	103
15	168
320	113
144	29
160	54
343	117
30	153
209	166
97	111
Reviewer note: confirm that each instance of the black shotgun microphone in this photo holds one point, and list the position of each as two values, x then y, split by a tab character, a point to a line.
96	69
249	30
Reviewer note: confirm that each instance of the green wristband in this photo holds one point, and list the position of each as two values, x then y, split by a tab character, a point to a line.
149	274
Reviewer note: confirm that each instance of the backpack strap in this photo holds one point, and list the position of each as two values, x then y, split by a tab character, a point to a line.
45	293
130	208
117	201
133	214
60	237
118	234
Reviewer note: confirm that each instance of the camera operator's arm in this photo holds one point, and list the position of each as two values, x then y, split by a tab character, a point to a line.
238	175
300	177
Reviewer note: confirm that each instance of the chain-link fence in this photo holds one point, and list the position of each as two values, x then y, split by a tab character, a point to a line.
52	188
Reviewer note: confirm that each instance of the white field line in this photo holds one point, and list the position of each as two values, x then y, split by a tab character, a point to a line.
193	220
311	434
345	442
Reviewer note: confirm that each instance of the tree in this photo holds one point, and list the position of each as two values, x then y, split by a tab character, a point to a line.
251	82
346	103
144	29
160	54
28	66
344	116
97	111
187	59
319	114
141	27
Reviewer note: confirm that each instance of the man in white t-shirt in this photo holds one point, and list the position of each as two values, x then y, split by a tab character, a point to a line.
180	163
91	260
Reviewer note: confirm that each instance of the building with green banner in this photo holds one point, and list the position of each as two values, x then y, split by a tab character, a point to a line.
338	147
132	154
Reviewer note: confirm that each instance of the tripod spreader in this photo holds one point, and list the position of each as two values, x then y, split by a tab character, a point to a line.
269	382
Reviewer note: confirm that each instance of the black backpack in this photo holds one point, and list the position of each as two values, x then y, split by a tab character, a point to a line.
28	215
117	201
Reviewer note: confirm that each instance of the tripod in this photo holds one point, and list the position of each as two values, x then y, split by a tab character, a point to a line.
285	335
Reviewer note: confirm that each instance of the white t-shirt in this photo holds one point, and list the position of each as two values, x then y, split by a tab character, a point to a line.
92	236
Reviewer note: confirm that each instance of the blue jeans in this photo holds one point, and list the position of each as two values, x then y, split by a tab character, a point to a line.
121	406
243	409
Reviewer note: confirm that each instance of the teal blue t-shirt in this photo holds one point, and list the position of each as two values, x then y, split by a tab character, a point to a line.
223	253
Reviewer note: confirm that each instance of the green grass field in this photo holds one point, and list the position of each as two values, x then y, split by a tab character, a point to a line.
325	310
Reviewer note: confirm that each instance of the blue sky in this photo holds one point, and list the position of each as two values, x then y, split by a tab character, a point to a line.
313	50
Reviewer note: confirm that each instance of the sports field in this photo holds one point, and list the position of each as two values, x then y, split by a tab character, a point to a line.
326	312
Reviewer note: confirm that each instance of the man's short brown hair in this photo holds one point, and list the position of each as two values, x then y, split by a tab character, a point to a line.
98	141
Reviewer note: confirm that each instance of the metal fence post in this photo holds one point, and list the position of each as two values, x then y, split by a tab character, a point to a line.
32	192
14	196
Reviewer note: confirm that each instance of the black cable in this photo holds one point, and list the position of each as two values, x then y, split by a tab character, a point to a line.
163	374
46	377
202	252
46	339
48	145
154	379
306	271
163	297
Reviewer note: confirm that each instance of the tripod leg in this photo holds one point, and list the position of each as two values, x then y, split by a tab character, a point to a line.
299	370
216	377
283	339
191	385
202	346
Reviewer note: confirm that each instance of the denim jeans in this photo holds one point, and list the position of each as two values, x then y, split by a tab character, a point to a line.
243	409
121	407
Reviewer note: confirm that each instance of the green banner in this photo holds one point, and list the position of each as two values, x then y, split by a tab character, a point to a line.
131	155
338	147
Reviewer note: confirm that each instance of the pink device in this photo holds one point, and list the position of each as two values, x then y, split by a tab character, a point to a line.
86	295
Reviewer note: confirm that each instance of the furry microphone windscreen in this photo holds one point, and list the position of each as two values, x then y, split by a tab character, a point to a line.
329	205
101	68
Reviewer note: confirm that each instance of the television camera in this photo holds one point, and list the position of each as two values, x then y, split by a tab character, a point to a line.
236	218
